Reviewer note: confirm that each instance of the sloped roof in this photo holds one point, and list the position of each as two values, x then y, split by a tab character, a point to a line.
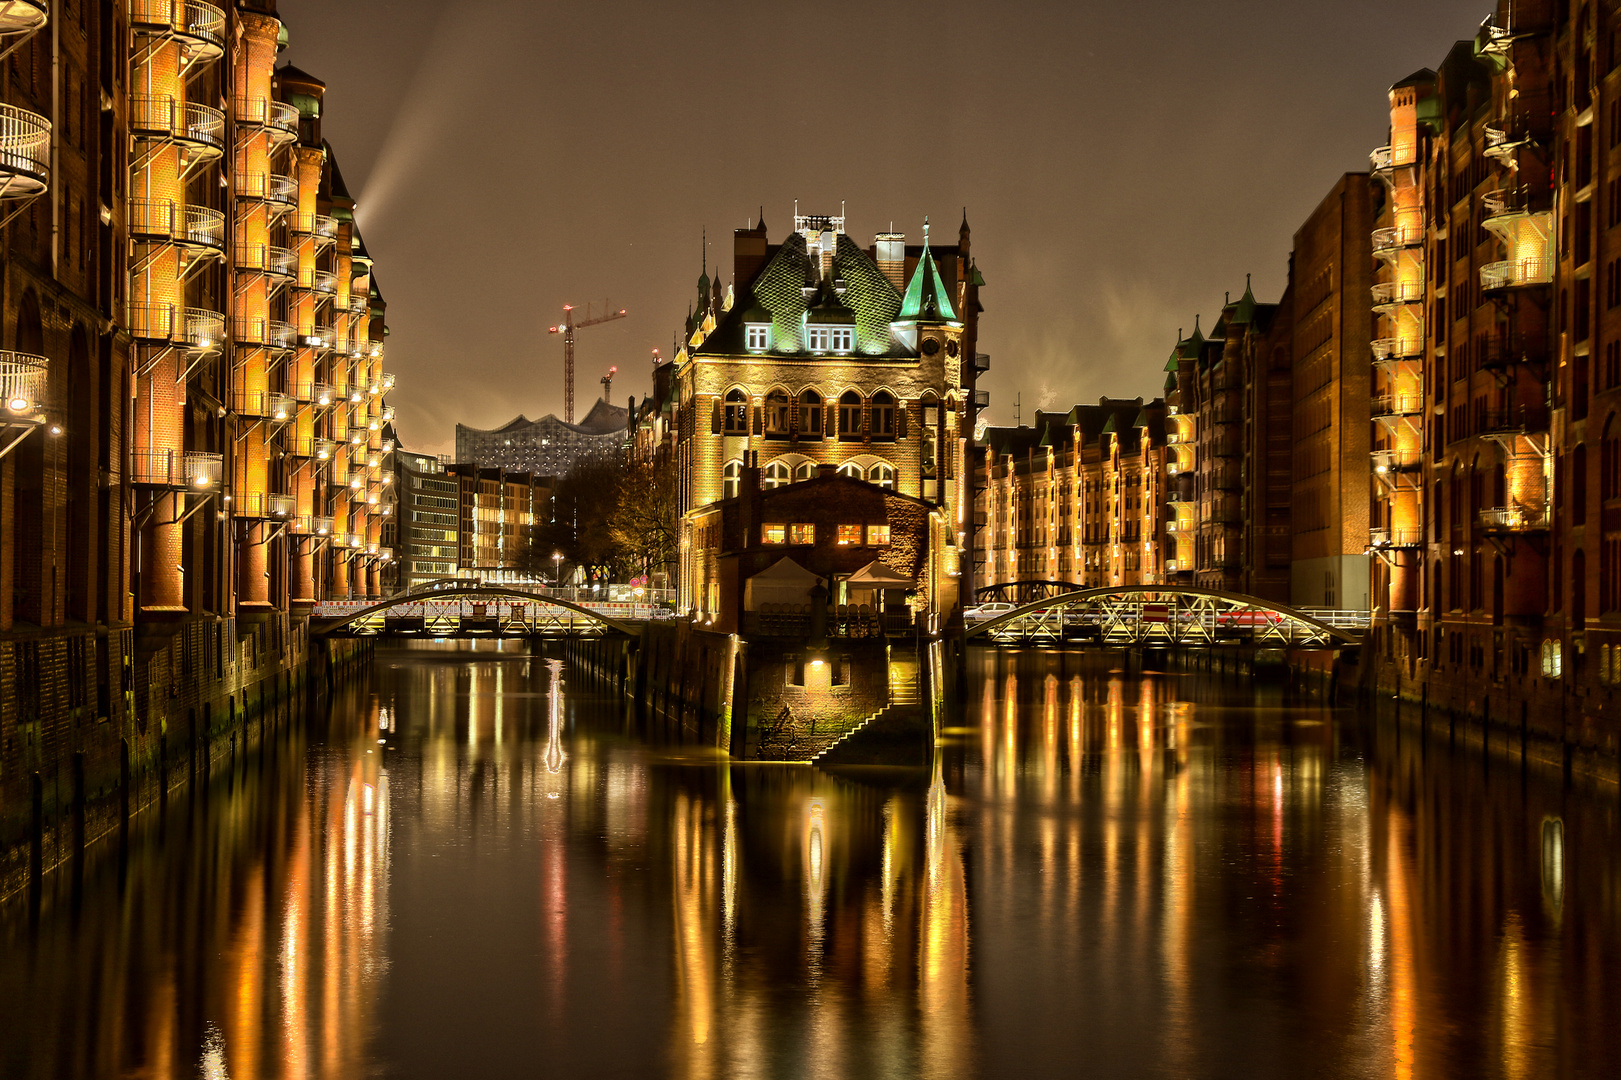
876	573
786	572
926	295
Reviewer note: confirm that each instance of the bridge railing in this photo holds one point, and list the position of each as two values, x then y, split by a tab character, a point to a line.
466	608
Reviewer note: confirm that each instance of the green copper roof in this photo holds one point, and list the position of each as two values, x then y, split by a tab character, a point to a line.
1142	420
926	296
1108	428
1244	310
974	276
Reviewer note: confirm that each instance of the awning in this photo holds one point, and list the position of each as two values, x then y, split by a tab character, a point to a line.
875	575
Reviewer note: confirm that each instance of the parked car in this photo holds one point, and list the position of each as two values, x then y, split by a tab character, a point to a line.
992	610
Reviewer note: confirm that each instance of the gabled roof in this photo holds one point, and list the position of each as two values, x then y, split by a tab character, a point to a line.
778	290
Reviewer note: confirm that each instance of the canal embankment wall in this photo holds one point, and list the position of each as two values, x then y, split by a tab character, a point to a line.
192	696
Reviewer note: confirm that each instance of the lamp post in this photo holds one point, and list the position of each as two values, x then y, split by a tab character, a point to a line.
557	569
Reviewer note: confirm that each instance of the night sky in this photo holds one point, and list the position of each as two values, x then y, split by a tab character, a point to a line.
1123	165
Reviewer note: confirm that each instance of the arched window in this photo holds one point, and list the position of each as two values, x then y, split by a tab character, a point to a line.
777	474
778	412
737	414
732	480
1610	480
883	475
1578	485
883	415
850	415
810	415
1578	590
852	470
805	470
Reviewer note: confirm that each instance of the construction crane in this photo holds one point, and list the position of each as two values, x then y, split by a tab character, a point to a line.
608	384
567	328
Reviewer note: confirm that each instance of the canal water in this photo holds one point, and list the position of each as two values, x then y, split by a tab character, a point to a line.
469	866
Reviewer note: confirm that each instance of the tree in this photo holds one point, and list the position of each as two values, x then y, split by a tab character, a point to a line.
643	525
583	505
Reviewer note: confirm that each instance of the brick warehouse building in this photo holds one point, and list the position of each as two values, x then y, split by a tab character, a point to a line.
830	354
194	423
1498	579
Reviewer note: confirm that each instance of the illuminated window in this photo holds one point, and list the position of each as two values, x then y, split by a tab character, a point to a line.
852	470
801	533
810	415
850	535
805	470
773	534
737	413
877	535
842	338
817	338
883	415
777	474
850	415
882	475
757	336
732	479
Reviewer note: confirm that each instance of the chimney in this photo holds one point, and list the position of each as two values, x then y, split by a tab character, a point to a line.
748	254
889	252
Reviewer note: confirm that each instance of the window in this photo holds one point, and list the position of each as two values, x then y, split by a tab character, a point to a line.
802	533
777	474
773	534
810	415
777	413
882	475
737	413
877	535
850	535
830	338
805	470
756	336
852	470
843	339
731	479
850	415
817	338
883	415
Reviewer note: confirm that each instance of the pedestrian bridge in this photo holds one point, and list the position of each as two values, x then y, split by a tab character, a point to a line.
474	611
1166	615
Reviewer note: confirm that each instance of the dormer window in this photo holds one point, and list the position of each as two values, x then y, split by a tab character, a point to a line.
835	339
757	336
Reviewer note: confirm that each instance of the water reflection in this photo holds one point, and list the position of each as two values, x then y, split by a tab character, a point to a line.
474	868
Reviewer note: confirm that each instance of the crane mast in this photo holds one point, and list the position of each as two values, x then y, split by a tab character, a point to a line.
567	328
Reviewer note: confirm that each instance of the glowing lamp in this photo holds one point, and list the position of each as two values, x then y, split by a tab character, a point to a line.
17	403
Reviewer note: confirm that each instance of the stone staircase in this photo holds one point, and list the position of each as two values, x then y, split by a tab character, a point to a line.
904	695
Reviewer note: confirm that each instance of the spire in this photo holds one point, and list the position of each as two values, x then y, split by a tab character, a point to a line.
703	279
963	236
926	296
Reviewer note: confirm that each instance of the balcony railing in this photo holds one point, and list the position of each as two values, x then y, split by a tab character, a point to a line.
1513	421
323	281
312	525
1396	237
23	379
279	117
1519	519
266	333
181	121
193	328
1386	158
268	187
266	259
260	504
203	25
1397	348
1396	538
359	436
196	226
1388	293
22	16
1397	405
176	469
1515	273
25	152
982	362
1392	461
386	384
268	404
317	225
982	399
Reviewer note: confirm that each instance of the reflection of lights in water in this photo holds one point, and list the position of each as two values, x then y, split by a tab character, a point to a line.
554	749
369	800
212	1066
1376	940
1553	865
815	856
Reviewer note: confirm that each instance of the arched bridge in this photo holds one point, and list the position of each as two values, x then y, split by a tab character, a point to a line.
1167	615
474	611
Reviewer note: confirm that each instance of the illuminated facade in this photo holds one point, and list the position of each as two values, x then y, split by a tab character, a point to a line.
548	446
826	353
1079	497
195	425
498	511
1497	585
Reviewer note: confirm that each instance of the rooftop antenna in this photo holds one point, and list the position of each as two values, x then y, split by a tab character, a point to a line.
1018	399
